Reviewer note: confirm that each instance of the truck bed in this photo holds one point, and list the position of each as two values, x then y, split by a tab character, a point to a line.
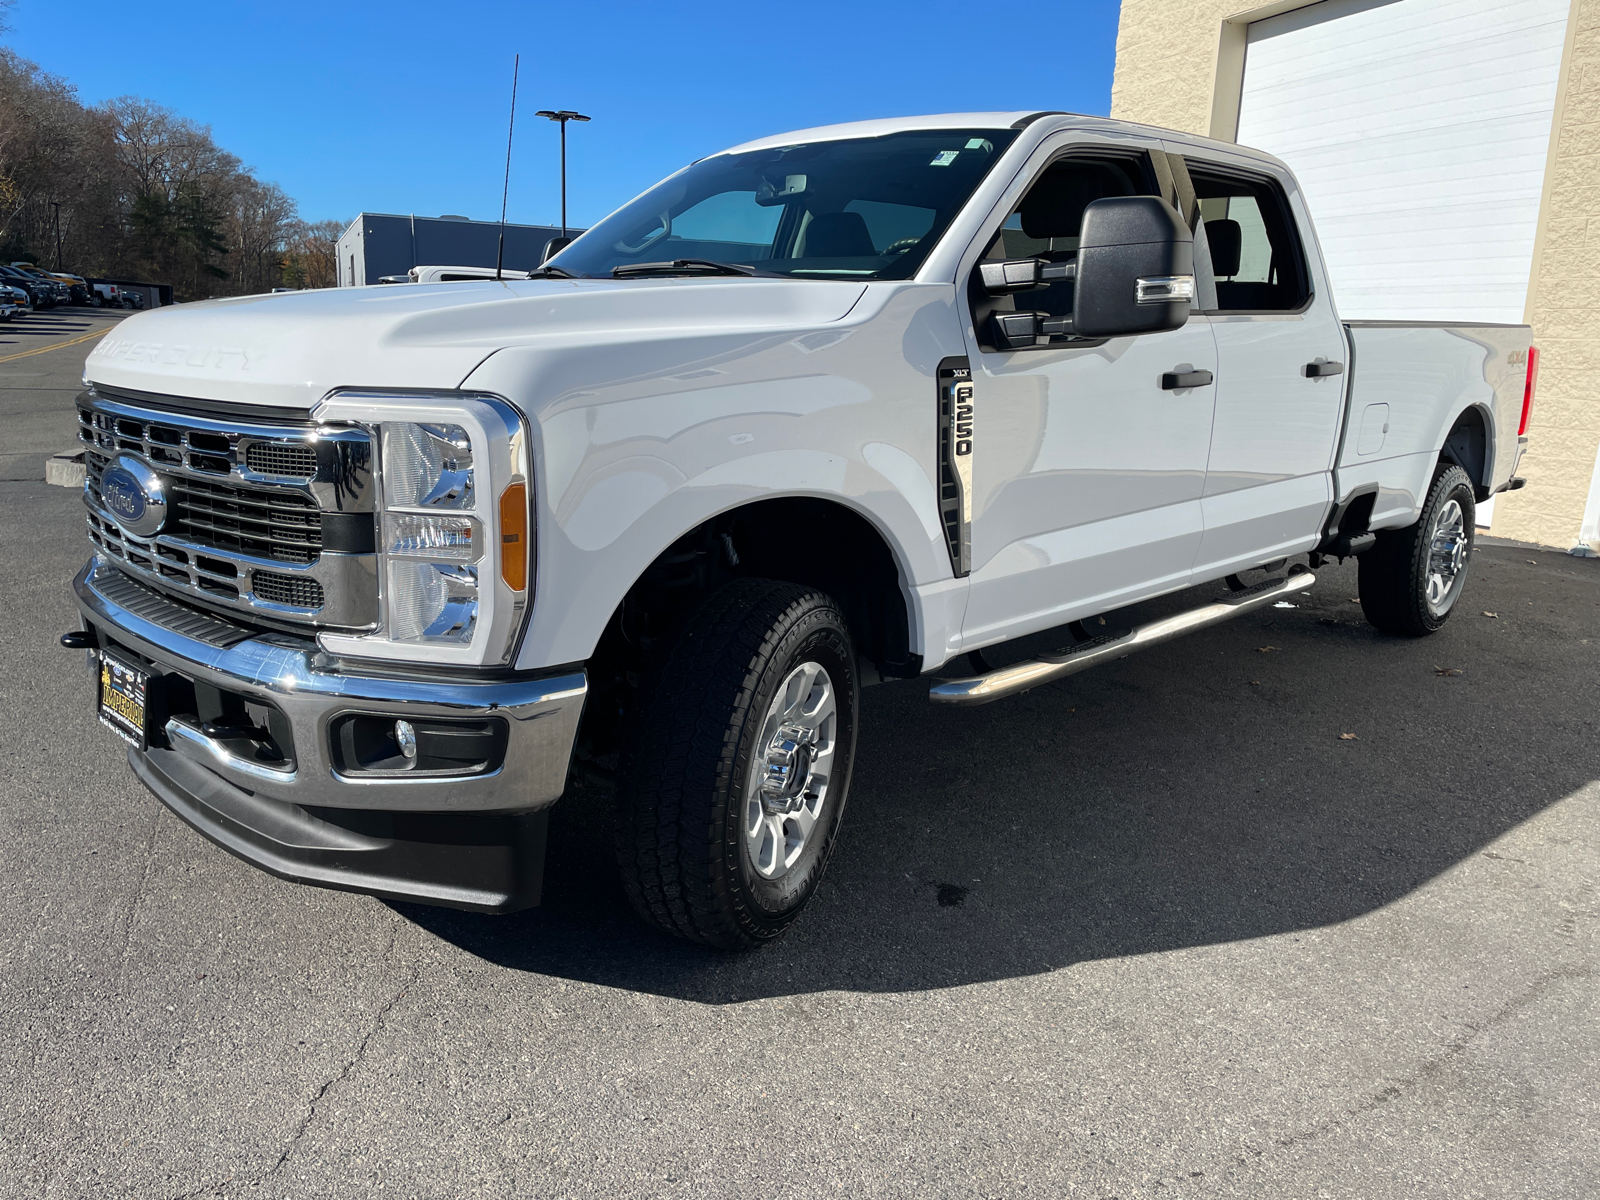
1406	382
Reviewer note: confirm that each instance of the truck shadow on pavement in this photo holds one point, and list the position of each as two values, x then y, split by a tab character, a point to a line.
1197	794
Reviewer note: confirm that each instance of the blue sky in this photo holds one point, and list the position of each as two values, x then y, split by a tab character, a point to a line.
401	107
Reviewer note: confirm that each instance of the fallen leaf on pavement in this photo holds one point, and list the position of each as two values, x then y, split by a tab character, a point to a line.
1447	670
1255	683
1265	649
1490	614
1347	737
1285	604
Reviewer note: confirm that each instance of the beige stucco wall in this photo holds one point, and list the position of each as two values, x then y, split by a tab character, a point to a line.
1167	61
1168	73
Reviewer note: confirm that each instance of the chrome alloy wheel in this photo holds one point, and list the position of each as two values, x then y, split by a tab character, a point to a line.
788	781
1448	547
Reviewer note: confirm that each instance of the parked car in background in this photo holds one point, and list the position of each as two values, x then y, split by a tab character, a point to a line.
12	301
105	295
77	287
453	275
40	293
58	287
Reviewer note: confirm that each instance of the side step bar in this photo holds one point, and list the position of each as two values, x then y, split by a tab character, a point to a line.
1008	681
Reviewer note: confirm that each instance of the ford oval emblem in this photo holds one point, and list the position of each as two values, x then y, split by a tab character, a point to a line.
133	495
124	500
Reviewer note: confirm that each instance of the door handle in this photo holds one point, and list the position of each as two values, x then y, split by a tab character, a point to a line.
1322	368
1172	380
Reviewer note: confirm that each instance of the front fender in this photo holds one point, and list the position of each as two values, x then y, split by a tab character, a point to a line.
635	446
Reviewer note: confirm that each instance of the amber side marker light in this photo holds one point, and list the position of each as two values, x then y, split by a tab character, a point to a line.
514	537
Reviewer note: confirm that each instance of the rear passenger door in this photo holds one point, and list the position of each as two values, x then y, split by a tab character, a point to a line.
1278	404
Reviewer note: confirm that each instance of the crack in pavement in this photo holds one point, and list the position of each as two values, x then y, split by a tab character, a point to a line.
138	894
1434	1066
338	1077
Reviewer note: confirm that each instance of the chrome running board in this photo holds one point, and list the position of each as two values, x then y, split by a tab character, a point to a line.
1008	681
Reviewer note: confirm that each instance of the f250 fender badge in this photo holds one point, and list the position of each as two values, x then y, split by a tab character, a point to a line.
962	417
132	493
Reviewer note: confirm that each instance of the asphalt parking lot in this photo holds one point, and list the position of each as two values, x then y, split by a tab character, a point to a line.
1160	930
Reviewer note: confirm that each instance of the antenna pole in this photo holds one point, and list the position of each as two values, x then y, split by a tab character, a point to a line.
505	195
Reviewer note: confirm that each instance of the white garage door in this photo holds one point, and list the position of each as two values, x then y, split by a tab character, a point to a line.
1418	129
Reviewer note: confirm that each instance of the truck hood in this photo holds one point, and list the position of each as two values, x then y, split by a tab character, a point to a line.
289	350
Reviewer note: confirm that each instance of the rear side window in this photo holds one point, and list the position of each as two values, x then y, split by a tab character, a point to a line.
1255	250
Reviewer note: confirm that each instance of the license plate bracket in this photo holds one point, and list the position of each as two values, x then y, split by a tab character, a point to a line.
123	700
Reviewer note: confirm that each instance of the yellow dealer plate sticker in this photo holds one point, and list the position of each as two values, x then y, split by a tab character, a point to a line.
124	691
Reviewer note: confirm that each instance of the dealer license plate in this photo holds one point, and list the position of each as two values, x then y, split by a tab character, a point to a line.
124	694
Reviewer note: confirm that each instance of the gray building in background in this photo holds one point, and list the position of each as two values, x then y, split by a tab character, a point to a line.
379	244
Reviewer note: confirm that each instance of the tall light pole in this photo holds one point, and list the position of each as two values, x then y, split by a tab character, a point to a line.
57	207
563	115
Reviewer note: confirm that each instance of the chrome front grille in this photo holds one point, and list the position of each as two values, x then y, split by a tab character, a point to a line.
271	517
255	521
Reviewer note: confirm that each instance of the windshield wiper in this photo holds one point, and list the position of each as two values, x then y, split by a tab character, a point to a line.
682	266
552	272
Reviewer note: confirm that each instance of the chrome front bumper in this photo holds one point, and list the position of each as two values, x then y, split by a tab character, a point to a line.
311	691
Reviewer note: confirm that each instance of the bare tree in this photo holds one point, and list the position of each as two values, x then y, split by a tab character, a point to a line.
312	258
132	189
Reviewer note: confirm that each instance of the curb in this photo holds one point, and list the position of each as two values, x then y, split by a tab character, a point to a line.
65	470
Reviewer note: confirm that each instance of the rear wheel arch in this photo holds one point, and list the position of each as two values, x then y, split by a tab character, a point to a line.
1468	446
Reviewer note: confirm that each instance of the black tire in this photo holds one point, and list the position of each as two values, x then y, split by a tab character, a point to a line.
1396	573
686	789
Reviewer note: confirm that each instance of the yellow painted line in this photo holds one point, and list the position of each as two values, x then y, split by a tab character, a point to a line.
56	345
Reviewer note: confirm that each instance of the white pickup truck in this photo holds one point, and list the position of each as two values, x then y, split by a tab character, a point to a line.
377	571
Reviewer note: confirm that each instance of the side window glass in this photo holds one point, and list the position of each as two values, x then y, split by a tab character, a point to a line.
1255	251
1046	224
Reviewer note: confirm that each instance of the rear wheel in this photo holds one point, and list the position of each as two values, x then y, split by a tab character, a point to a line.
736	774
1412	578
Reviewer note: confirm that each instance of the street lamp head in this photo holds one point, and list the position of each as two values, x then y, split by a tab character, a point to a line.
563	115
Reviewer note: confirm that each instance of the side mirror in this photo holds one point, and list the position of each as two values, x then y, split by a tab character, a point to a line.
1135	268
554	247
1134	274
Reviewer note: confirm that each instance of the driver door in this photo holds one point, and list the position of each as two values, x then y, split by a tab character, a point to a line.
1087	474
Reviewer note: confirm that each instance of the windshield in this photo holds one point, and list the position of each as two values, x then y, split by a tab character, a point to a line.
865	208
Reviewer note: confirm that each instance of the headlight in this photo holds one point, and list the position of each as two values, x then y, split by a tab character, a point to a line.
433	595
454	554
427	466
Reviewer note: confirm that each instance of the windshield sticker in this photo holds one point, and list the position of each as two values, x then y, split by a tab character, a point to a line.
983	144
944	158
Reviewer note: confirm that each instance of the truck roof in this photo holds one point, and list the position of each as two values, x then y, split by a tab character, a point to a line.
1022	118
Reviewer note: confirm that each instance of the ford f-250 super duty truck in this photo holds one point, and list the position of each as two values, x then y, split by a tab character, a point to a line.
376	570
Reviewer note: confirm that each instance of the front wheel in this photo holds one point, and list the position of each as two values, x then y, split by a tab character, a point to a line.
1411	579
736	774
